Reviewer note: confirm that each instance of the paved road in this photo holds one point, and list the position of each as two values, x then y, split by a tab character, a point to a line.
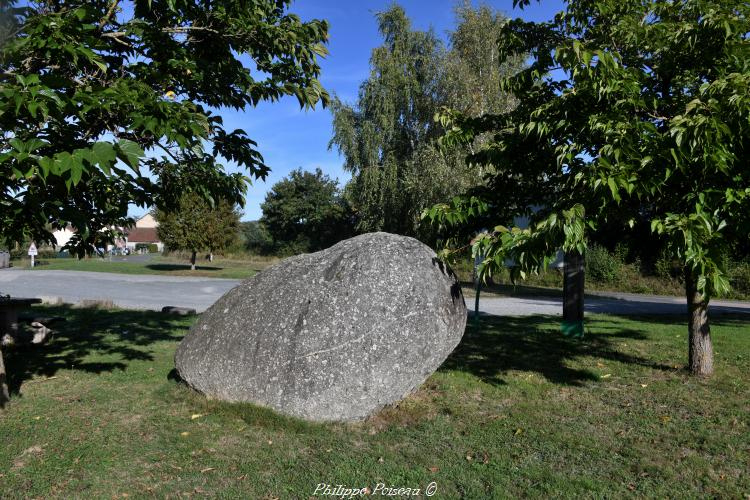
130	291
155	292
624	304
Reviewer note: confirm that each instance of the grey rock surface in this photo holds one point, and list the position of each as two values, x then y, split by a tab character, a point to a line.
333	335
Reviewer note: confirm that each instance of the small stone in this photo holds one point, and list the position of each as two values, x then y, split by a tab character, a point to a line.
180	311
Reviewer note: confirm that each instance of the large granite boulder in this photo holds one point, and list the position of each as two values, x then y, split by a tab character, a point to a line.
333	335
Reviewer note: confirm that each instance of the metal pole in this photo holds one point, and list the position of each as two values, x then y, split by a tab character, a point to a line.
477	287
476	303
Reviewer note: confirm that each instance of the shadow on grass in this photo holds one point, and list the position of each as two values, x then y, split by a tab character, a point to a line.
534	343
180	267
124	335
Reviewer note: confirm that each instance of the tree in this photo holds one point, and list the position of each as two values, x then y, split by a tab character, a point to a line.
88	86
255	237
387	136
305	212
635	112
388	139
196	225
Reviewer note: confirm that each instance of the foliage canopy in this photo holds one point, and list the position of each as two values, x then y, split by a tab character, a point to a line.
196	225
389	136
632	111
105	103
306	212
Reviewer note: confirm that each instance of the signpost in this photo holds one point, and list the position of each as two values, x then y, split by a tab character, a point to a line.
32	253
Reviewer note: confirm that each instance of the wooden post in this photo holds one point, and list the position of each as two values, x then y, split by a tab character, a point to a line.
4	394
573	291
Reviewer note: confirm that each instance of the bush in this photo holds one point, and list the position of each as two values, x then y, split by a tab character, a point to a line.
739	277
602	266
667	267
147	247
256	238
21	254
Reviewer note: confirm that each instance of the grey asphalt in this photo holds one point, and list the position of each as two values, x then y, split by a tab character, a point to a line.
156	291
623	304
129	291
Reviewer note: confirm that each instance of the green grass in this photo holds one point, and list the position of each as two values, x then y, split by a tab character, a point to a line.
219	268
516	410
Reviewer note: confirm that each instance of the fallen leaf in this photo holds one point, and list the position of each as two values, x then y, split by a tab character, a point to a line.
518	431
270	442
196	415
433	469
644	385
607	375
599	364
184	433
665	418
469	458
380	460
207	469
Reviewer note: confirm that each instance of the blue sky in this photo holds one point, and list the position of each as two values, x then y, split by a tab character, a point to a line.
289	137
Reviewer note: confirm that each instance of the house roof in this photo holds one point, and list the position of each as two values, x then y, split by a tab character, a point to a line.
143	235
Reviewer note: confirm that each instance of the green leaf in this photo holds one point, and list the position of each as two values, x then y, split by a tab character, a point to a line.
131	153
104	154
76	171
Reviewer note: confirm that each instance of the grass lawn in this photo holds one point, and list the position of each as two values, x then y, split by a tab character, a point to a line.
516	410
219	268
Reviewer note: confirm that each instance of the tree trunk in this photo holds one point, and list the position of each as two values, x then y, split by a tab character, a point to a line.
4	394
573	287
210	256
192	261
700	353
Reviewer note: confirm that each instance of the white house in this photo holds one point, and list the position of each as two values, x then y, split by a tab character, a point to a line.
144	231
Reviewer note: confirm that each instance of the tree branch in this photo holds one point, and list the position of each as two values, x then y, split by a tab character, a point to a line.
187	29
115	36
109	14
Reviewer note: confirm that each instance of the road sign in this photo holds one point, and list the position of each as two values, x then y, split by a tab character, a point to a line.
32	250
